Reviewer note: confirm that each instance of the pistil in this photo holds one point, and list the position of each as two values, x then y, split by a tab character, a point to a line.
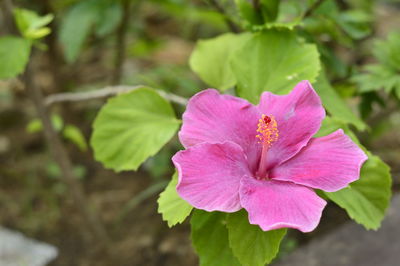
268	134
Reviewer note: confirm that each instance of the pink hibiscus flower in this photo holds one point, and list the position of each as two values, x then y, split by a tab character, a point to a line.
263	158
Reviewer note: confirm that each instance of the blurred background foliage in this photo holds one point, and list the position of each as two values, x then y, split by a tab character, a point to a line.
90	44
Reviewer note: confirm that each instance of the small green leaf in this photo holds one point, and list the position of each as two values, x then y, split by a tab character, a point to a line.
39	33
210	239
75	135
30	24
367	199
14	55
210	59
35	125
173	208
273	61
132	127
251	245
334	104
57	122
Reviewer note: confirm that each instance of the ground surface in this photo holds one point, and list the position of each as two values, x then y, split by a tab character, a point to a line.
352	245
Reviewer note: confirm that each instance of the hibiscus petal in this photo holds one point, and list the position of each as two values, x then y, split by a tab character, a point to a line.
275	204
298	115
329	163
209	175
216	118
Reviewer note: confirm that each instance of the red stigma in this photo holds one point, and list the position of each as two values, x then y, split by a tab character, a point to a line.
267	119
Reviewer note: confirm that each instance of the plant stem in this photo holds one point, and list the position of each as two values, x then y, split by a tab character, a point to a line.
232	26
121	42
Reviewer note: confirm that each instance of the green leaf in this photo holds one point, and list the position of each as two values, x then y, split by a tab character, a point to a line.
75	135
376	77
14	55
28	19
273	61
132	127
102	15
356	23
251	245
210	239
387	51
367	199
173	208
334	104
184	11
385	74
324	22
75	27
210	59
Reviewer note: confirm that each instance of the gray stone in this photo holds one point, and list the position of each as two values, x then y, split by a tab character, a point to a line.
352	245
17	250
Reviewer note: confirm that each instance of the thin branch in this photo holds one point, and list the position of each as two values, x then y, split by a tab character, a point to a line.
7	8
58	151
312	8
105	92
231	24
55	56
61	158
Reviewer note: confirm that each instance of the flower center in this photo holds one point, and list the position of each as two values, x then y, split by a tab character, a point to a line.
268	133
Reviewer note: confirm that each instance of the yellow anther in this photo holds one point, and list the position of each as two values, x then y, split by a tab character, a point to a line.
268	129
